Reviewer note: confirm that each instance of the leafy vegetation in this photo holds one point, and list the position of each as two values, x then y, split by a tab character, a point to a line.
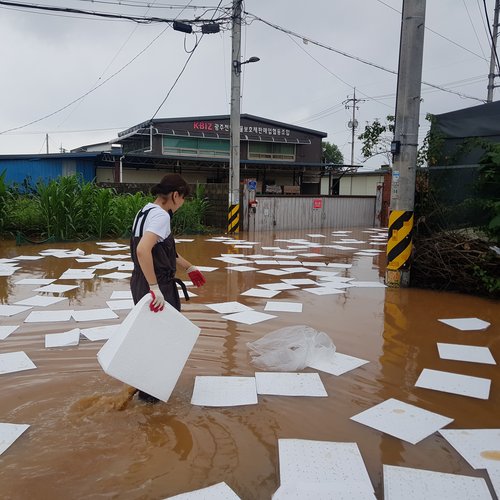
331	153
68	208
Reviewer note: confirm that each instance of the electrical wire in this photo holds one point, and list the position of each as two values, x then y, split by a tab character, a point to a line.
437	33
356	58
182	71
89	91
107	15
474	28
493	41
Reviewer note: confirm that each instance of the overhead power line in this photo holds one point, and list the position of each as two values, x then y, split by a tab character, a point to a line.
492	38
108	15
356	58
439	34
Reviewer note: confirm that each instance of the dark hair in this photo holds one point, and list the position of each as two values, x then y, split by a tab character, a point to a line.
171	183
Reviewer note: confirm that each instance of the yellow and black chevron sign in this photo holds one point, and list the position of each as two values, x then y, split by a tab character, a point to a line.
400	238
233	219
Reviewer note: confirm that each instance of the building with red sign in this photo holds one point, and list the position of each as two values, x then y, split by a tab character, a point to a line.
276	154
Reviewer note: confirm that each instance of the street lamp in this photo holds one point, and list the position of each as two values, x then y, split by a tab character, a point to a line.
237	64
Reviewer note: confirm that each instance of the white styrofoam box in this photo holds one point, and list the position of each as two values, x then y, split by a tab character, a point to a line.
149	350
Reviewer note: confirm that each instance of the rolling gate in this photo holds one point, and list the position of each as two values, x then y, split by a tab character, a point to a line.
271	212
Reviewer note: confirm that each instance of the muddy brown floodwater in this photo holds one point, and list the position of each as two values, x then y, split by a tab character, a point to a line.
85	443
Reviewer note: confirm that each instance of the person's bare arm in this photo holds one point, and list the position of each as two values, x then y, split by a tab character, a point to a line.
145	256
182	262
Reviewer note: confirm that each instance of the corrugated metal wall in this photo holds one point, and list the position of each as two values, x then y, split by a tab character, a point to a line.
45	169
298	212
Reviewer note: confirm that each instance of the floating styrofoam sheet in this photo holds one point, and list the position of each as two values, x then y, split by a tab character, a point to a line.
339	265
249	317
7	272
28	257
283	306
337	364
284	250
90	260
368	284
340	247
207	269
233	260
471	353
323	462
259	292
40	300
56	288
454	383
5	331
9	310
298	269
480	447
121	295
316	235
323	290
299	281
466	323
77	276
94	314
116	276
64	339
273	272
34	281
15	362
99	332
126	266
220	491
9	433
228	307
266	262
290	384
224	391
415	484
311	254
324	274
49	316
323	491
106	265
242	268
494	473
149	350
184	240
270	248
278	286
402	420
120	305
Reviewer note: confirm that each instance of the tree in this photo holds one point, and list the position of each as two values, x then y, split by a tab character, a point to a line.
377	138
331	153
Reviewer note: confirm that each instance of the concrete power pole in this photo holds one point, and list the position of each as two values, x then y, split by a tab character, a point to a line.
353	124
405	143
233	215
494	54
47	143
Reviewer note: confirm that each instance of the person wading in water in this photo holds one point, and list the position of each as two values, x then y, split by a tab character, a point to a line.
152	246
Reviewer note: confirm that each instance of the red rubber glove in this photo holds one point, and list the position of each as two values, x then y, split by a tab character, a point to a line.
196	277
157	299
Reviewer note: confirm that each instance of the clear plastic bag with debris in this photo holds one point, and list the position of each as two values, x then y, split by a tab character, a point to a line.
291	348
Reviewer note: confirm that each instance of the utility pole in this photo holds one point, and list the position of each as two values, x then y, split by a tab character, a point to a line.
47	143
353	124
405	143
494	55
233	215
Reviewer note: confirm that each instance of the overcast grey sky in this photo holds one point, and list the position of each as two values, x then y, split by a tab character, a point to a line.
49	60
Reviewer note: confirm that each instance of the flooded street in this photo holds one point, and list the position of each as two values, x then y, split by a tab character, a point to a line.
84	442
